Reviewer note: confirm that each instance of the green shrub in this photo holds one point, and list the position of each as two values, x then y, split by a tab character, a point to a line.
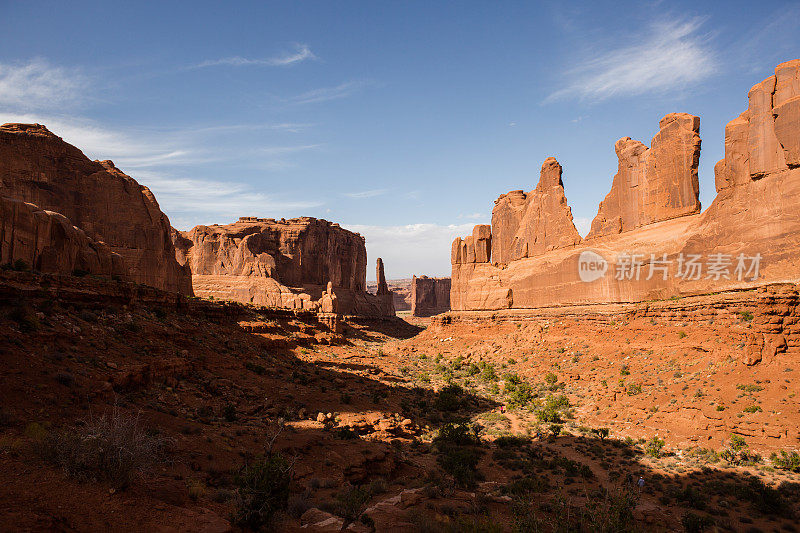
450	399
488	373
520	396
461	463
553	409
786	461
654	447
457	434
262	490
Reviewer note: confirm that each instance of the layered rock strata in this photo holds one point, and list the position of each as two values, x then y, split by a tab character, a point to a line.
110	207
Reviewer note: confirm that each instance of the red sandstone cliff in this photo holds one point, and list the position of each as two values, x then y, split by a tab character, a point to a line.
46	241
525	225
285	263
653	184
107	205
648	227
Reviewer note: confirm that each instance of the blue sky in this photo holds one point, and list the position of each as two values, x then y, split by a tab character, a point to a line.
400	120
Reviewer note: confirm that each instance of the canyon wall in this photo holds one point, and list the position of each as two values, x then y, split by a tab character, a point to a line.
429	296
649	241
109	207
281	263
47	242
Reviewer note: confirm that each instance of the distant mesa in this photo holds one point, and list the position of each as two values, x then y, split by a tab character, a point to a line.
529	257
429	296
281	263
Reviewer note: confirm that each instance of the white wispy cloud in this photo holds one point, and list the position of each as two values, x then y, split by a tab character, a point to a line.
302	52
361	195
412	249
37	84
325	94
146	155
671	55
190	202
149	148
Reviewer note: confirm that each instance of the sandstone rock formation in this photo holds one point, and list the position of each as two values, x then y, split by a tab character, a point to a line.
653	184
46	241
40	168
649	241
430	296
383	294
279	263
524	225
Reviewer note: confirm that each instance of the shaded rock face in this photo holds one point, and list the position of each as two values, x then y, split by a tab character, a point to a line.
295	252
429	296
280	263
107	205
651	217
653	184
49	243
383	294
524	225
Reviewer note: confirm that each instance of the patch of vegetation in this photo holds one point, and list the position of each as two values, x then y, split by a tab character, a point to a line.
554	409
745	316
634	389
457	434
786	461
696	523
749	387
654	447
461	463
112	448
262	490
738	453
450	399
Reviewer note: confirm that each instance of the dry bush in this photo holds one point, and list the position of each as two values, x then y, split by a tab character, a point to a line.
114	448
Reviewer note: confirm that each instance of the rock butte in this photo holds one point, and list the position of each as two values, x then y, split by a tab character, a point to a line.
282	263
95	197
529	256
429	296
